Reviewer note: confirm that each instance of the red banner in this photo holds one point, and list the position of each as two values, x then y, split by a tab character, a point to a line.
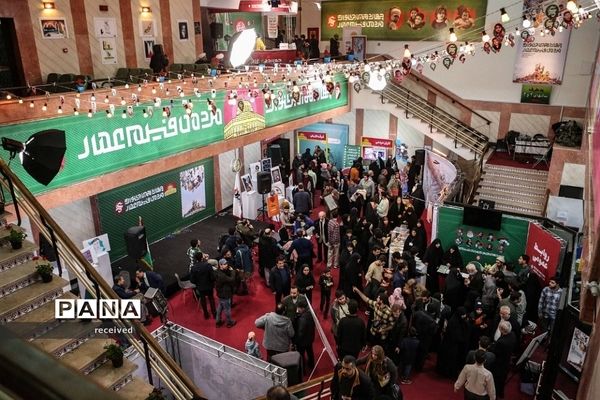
318	136
376	142
262	6
273	56
543	248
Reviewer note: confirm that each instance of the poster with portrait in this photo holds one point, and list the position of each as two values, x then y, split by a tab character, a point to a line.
183	29
275	175
55	28
147	28
247	183
255	168
266	164
105	27
438	174
244	114
148	45
193	190
359	47
578	349
108	51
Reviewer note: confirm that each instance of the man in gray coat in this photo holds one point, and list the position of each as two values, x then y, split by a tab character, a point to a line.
279	331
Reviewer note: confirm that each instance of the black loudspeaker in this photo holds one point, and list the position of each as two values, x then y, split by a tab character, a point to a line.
135	240
292	362
274	153
156	302
216	30
284	144
487	204
263	181
420	157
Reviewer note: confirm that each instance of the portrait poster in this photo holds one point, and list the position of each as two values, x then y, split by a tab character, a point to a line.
183	29
244	114
247	183
272	26
359	47
148	45
541	59
266	164
255	168
193	190
108	51
438	174
105	27
55	28
147	28
578	349
197	27
275	175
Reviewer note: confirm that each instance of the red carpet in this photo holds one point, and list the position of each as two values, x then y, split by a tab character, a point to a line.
506	160
186	312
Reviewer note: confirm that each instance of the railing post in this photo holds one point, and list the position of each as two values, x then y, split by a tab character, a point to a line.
14	197
54	245
431	120
406	108
147	357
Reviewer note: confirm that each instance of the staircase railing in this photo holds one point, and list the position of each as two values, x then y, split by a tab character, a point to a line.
315	389
157	359
437	118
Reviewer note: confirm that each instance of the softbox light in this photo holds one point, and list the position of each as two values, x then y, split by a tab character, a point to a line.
43	154
241	47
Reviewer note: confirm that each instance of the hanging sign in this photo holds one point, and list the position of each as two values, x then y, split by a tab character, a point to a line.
544	250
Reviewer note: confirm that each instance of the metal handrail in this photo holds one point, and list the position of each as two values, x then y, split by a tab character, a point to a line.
172	376
455	120
436	118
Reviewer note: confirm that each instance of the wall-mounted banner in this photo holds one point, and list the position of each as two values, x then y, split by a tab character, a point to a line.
332	138
351	153
390	20
536	94
544	249
100	145
541	59
438	174
376	142
375	147
166	202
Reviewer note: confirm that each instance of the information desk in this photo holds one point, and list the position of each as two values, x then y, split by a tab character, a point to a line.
272	56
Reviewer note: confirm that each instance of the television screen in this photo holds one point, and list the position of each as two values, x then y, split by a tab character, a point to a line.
475	216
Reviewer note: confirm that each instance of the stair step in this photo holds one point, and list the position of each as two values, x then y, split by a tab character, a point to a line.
89	356
137	389
65	337
494	190
29	298
536	181
10	258
507	169
17	277
511	185
520	202
111	377
521	209
38	321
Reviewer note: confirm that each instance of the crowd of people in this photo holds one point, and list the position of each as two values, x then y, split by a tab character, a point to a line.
395	308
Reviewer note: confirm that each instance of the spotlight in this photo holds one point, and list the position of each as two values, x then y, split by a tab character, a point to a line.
41	155
48	5
241	46
146	9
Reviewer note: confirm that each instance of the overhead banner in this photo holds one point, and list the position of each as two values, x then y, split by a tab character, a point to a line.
100	145
544	249
426	20
331	137
166	202
438	174
541	59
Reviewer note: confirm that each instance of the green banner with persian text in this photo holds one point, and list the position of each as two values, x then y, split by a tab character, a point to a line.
166	202
427	20
100	145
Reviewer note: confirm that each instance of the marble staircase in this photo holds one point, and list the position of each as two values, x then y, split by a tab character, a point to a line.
27	309
519	190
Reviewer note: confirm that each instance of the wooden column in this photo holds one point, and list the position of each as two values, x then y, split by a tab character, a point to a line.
128	35
167	32
82	39
393	130
360	120
217	180
197	17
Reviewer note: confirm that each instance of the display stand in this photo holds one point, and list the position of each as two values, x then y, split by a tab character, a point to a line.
251	204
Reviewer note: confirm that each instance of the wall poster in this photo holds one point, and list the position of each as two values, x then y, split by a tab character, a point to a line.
541	59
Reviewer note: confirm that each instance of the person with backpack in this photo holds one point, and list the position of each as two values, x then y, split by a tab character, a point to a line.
243	264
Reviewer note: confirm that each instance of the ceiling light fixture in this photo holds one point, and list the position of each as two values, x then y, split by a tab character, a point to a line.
504	15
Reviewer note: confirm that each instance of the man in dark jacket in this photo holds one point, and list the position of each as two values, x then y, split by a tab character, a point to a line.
351	333
305	332
267	251
202	276
322	236
304	249
428	304
121	290
225	284
280	279
302	201
149	279
503	349
349	382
